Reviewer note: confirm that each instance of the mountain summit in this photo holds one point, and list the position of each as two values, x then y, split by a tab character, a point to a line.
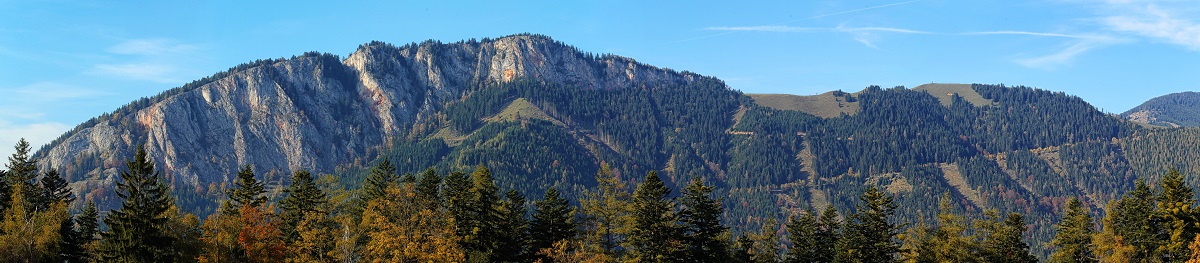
1171	110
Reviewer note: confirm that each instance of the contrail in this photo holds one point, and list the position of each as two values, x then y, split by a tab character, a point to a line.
808	18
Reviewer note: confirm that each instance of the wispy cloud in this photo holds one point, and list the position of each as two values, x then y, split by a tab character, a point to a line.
865	35
150	59
1027	33
36	133
1148	19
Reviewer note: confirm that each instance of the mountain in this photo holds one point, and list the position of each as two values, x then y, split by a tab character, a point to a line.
542	114
1171	110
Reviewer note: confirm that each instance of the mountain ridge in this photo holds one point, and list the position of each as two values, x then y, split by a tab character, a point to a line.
1180	109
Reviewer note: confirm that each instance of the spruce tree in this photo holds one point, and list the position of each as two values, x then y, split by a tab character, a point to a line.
802	231
741	250
1131	217
381	177
458	204
71	246
246	191
89	228
484	208
701	220
514	229
136	230
868	235
1178	217
655	236
303	197
1002	240
21	170
1073	236
428	184
552	221
54	189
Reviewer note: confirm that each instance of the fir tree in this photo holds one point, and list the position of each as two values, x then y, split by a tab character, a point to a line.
701	220
89	229
428	184
1002	240
1131	219
382	176
484	204
21	170
802	231
552	221
655	236
514	229
1178	217
741	250
54	189
136	230
458	204
1073	236
303	197
869	236
246	191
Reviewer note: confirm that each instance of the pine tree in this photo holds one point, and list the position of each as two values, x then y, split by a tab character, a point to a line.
655	236
1129	229
89	229
21	170
382	176
458	204
1178	217
246	191
701	220
802	231
514	229
869	236
303	197
428	184
552	222
1073	236
136	230
54	189
766	242
1002	240
606	212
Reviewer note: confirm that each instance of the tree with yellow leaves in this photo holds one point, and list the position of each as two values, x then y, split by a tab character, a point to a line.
401	229
315	241
29	236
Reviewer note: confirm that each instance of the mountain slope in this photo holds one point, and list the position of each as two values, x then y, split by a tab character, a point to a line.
1171	110
542	114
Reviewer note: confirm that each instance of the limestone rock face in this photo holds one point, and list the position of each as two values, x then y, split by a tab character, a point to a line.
317	111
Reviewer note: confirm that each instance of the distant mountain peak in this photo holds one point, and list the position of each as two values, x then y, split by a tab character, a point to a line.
1172	110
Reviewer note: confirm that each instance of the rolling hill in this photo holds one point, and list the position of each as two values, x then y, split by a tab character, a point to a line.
1171	110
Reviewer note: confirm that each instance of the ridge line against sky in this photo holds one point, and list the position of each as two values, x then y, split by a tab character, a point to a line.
67	61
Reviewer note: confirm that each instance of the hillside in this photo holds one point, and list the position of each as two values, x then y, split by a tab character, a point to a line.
543	114
1171	110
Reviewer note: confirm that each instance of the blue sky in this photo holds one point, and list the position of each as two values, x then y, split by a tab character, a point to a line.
66	61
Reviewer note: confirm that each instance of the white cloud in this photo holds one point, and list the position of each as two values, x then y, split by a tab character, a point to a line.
1154	22
37	134
158	60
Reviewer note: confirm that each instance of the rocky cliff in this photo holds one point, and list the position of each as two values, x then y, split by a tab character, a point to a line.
317	111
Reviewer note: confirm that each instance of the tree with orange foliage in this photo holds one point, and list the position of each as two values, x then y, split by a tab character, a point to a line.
400	228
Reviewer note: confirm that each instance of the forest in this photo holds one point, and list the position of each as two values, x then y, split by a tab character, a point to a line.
456	216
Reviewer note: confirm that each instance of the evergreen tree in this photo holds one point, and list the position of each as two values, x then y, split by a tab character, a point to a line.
428	184
458	204
136	230
484	206
1178	217
1129	223
869	236
829	231
606	211
552	222
1073	236
21	170
54	189
802	231
246	191
303	197
71	247
89	228
701	220
741	250
514	229
1002	241
766	242
382	176
655	236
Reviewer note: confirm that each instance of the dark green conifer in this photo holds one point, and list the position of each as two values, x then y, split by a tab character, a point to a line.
1073	236
136	229
514	229
869	236
552	221
656	236
246	191
701	221
303	197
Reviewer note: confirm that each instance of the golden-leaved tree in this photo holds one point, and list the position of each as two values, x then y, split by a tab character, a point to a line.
400	228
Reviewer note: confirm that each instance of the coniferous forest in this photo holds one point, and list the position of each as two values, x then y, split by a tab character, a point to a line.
462	216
